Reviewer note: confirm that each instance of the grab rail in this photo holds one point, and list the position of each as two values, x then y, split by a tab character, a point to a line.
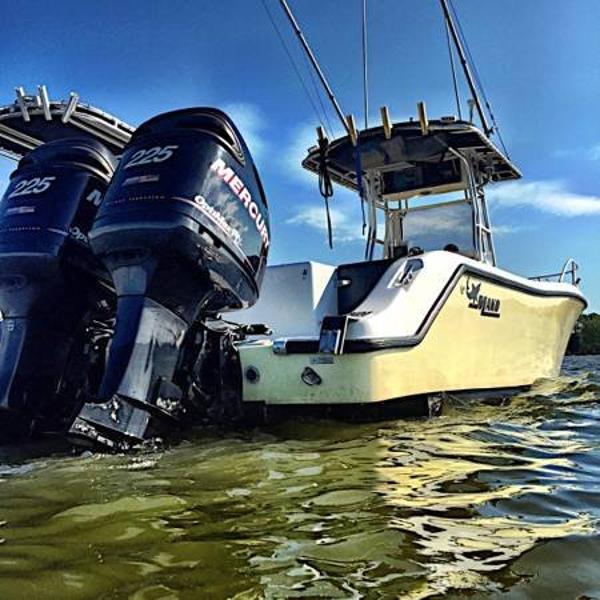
570	268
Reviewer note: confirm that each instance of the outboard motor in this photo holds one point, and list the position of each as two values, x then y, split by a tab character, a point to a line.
51	285
184	233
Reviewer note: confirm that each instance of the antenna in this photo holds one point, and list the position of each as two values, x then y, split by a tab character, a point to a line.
315	64
465	65
43	94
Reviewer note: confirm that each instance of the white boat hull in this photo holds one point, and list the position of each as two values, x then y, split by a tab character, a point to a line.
437	335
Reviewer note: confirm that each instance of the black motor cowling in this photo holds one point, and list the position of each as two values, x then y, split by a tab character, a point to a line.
50	282
184	233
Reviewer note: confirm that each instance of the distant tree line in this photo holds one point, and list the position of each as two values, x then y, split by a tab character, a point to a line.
586	337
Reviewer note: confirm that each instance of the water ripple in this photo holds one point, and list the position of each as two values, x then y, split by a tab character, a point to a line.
492	500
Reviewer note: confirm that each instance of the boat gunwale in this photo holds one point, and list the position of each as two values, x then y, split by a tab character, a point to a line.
364	345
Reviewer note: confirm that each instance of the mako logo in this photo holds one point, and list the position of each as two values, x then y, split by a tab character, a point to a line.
229	176
487	306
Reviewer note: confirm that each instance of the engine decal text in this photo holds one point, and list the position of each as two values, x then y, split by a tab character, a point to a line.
237	186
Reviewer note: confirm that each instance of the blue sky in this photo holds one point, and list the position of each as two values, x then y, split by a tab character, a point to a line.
539	60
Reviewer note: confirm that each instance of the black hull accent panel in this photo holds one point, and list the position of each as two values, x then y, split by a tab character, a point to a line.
357	280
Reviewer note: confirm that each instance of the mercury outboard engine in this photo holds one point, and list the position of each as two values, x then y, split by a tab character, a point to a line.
184	233
52	289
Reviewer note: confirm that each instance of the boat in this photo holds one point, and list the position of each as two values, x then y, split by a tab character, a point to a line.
431	313
435	314
136	300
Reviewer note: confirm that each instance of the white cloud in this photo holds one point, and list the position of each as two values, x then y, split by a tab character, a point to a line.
346	228
594	152
501	230
565	152
589	153
303	138
250	121
548	196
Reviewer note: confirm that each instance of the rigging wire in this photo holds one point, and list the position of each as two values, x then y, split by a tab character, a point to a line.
464	61
294	65
478	80
326	187
453	69
319	95
365	65
365	62
315	63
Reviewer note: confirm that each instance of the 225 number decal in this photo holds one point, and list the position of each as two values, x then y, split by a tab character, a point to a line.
37	185
157	154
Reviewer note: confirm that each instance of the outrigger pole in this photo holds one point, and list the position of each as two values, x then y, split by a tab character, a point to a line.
465	65
315	64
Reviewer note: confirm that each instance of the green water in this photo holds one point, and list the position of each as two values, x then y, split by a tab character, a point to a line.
484	501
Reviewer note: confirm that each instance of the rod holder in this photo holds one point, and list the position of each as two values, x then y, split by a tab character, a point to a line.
71	106
352	129
22	102
423	121
45	102
387	123
321	134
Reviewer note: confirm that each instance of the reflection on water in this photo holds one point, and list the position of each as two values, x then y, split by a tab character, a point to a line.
486	500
